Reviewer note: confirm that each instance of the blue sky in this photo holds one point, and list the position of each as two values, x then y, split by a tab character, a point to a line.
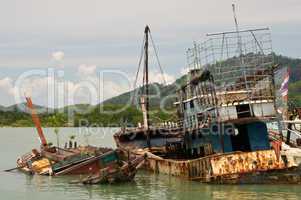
106	35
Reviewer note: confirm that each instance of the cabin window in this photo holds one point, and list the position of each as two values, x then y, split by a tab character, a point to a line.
243	111
191	104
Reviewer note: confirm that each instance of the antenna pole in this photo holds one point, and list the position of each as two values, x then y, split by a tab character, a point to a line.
239	43
235	17
237	29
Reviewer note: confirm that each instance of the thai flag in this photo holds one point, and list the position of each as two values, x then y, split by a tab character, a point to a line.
284	85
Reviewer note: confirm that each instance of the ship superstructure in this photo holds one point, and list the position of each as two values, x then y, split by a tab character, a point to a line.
224	109
230	92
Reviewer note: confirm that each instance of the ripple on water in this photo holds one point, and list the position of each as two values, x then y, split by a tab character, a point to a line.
148	186
17	186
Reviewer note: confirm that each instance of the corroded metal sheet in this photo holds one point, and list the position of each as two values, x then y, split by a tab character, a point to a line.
170	167
246	162
209	168
191	169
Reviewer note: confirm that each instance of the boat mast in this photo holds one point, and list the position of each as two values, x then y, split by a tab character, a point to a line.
146	32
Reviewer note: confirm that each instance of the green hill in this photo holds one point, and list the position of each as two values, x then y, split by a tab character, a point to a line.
157	93
113	112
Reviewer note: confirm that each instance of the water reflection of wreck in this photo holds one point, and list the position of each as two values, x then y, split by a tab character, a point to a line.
224	109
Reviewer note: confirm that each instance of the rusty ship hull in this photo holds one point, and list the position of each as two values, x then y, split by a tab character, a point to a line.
258	167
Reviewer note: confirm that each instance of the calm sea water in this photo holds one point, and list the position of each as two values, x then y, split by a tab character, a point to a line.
17	186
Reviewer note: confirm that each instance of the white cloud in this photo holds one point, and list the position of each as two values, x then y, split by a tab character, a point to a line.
157	77
167	78
6	91
86	70
58	55
58	91
6	85
89	36
184	71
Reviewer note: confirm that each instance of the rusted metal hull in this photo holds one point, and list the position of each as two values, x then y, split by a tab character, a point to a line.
238	167
282	176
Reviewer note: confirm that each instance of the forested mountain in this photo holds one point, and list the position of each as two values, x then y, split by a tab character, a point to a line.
157	93
99	115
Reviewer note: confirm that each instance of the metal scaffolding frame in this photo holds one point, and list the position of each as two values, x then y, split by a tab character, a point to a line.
238	61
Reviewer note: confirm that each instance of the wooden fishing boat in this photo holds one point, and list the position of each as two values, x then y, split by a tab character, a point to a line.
102	165
54	161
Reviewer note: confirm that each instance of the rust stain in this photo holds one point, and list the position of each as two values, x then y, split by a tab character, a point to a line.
218	165
246	162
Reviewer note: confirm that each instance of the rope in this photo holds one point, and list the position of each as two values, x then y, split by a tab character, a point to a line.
137	73
157	57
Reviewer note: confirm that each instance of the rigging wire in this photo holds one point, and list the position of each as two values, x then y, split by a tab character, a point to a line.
137	73
139	66
142	55
157	57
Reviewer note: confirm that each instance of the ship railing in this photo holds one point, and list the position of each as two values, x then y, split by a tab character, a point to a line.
170	124
275	135
297	133
27	156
